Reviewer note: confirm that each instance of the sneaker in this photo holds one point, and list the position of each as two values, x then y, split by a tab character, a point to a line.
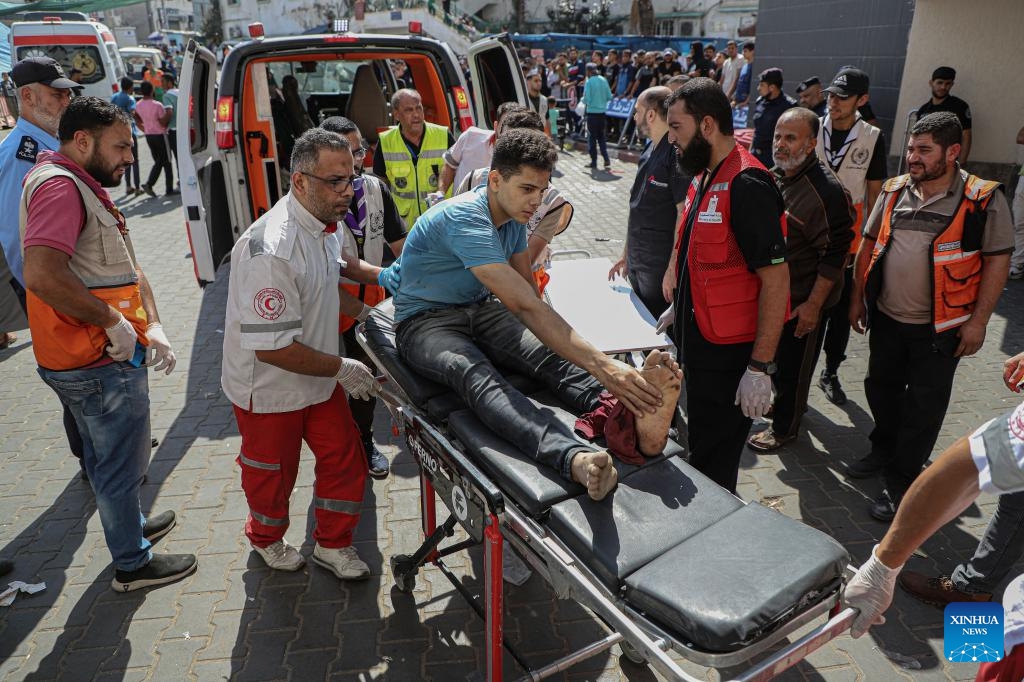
161	569
833	390
158	526
1017	273
148	189
607	164
343	562
884	508
767	441
865	467
937	591
593	164
281	556
379	465
139	192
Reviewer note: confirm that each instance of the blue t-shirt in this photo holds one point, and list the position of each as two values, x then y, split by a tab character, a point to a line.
126	102
743	84
447	240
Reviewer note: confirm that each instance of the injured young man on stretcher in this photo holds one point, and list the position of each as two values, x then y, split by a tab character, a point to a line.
466	304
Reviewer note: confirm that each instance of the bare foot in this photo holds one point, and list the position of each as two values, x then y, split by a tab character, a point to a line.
596	471
652	429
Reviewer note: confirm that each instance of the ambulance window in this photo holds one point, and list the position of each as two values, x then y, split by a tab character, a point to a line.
115	59
498	84
85	58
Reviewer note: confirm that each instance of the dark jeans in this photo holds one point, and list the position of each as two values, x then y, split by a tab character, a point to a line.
999	549
836	326
161	161
795	359
717	427
133	172
647	286
909	381
461	348
362	410
172	144
596	136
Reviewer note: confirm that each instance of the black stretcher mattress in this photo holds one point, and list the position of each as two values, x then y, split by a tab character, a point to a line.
714	571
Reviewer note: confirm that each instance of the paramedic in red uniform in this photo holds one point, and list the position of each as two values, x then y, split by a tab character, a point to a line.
733	292
281	366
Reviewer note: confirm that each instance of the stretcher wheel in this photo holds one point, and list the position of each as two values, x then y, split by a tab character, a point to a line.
630	652
404	572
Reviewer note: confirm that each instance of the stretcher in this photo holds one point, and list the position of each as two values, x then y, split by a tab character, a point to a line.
668	561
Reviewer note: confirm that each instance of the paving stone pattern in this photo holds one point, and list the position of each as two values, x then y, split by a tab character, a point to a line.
236	619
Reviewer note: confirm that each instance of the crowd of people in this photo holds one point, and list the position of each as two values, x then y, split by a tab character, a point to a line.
755	261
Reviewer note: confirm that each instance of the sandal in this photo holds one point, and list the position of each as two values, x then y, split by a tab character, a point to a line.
9	339
767	441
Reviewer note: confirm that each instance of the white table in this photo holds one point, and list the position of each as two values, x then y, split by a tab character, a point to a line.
607	314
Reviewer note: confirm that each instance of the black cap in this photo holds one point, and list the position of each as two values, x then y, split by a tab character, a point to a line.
813	80
849	82
41	70
946	73
772	76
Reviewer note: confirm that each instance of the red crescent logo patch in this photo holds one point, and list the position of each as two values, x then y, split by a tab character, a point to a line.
269	304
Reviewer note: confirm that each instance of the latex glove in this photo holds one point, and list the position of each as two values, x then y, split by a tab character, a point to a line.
357	379
364	313
870	592
159	351
754	394
434	198
122	339
666	320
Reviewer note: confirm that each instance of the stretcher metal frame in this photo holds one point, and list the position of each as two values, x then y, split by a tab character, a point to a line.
491	518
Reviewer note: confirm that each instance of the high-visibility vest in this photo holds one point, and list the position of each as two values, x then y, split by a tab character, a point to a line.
852	168
369	204
412	182
104	261
723	289
955	256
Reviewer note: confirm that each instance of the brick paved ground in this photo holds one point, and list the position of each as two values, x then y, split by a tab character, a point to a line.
236	619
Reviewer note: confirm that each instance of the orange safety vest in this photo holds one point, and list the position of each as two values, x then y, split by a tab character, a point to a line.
723	289
955	256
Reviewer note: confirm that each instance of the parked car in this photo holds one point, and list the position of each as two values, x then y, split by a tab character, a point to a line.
135	59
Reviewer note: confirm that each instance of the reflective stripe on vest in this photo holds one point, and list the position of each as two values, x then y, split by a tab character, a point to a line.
412	182
852	169
104	261
723	289
955	256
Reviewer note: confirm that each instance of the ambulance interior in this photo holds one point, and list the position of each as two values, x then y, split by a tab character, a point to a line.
282	96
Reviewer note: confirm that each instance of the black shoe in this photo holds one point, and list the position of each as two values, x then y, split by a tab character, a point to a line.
158	526
161	569
6	567
172	192
148	189
379	465
833	390
154	443
884	508
593	165
864	468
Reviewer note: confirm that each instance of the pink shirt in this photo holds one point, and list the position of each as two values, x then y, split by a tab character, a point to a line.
56	214
151	111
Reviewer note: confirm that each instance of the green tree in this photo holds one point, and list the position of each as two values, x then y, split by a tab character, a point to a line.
213	25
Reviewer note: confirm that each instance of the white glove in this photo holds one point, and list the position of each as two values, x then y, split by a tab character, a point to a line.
364	313
159	350
666	320
754	394
357	379
434	198
870	592
122	339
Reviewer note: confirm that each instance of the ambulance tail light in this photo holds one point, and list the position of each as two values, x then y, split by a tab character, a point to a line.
416	28
224	123
462	107
256	31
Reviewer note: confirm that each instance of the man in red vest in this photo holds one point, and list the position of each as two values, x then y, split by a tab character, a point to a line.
929	271
733	281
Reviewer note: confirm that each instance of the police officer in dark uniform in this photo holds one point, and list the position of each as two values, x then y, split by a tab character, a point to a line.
811	96
941	83
771	102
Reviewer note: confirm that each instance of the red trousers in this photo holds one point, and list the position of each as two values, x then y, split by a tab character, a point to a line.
1010	669
270	463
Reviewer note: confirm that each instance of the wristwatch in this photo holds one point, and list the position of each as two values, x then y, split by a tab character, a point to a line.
767	367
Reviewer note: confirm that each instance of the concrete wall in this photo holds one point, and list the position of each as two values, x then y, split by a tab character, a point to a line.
982	41
815	37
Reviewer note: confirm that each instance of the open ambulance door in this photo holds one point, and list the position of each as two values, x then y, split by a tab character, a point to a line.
201	167
497	77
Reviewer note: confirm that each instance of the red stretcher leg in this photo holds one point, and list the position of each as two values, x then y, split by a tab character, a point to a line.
494	599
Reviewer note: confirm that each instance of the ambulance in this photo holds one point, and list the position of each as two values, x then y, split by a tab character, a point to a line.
75	43
233	162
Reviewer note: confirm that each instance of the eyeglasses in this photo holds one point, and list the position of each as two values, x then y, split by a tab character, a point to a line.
360	153
339	185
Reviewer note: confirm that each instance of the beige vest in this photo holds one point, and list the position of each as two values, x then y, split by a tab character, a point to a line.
852	170
373	226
